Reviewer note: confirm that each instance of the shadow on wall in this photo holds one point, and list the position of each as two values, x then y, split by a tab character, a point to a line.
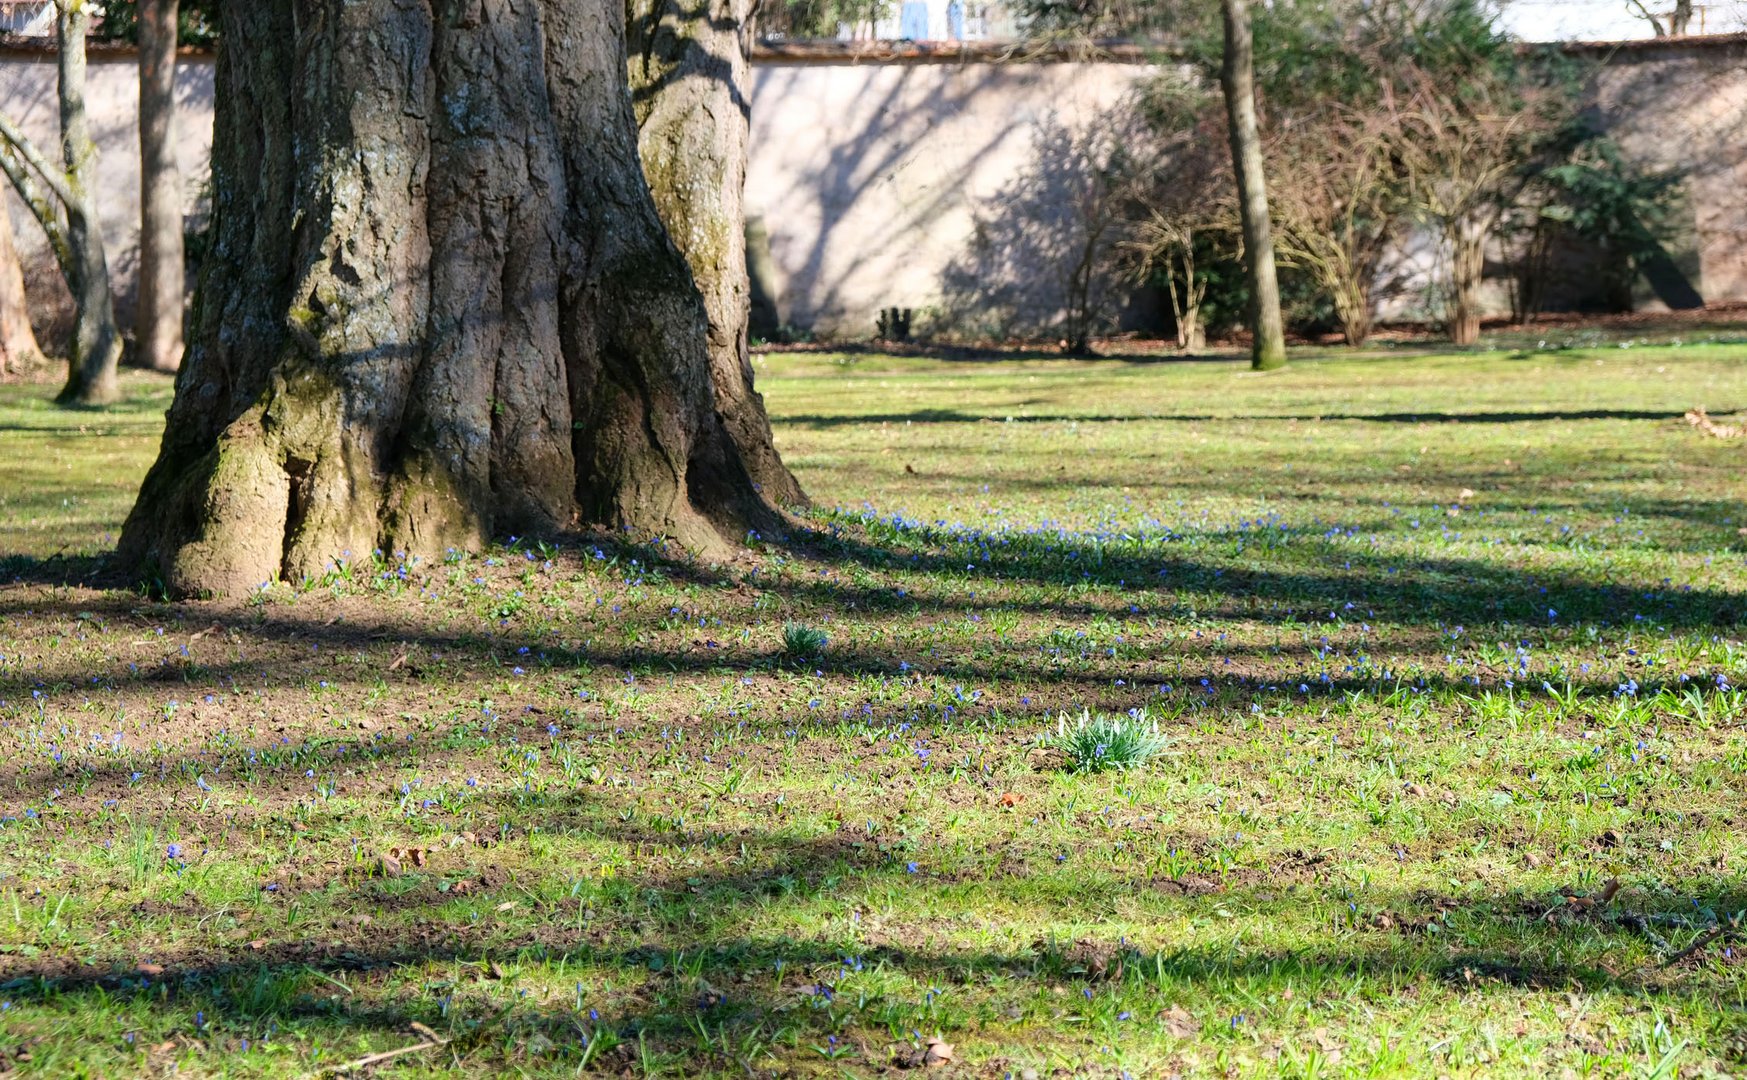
1043	259
889	133
886	196
1685	108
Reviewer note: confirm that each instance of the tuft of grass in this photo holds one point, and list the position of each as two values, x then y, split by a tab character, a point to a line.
801	641
1094	744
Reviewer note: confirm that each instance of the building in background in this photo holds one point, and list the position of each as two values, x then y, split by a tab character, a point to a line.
1613	20
942	20
27	18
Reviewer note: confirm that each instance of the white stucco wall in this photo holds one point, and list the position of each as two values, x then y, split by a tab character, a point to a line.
867	174
27	93
870	175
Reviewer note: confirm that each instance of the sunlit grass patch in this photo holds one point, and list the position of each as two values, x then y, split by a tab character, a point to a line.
1442	647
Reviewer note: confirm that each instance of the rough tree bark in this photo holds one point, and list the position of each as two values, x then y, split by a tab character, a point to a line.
158	326
18	348
439	303
1237	78
689	80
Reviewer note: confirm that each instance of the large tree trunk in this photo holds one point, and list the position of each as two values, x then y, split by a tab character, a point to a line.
1237	78
158	326
18	348
689	84
95	350
439	303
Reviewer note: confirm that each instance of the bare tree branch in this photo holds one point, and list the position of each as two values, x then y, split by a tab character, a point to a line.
53	177
39	205
1644	13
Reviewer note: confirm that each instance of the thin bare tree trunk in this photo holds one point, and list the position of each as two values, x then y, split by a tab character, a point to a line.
1237	77
688	76
158	326
95	351
1680	19
18	348
440	304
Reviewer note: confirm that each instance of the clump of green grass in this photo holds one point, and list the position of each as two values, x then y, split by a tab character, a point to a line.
801	641
1094	744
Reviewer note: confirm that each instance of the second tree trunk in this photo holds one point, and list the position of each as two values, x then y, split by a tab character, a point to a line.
689	81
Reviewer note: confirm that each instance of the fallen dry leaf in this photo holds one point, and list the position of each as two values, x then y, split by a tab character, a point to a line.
1178	1022
939	1052
1698	418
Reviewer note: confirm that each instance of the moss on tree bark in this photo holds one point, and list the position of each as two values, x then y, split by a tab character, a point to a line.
439	303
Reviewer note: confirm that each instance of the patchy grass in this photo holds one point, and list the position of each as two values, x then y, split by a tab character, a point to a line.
1441	647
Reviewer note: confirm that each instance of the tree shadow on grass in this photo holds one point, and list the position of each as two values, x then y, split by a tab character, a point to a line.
1315	582
648	976
822	421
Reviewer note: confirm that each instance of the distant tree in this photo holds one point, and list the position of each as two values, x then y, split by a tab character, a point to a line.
1132	20
1592	199
1237	78
812	19
67	211
162	287
196	21
1340	213
1182	201
1470	120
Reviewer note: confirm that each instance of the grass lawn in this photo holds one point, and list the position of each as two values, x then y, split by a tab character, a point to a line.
1442	648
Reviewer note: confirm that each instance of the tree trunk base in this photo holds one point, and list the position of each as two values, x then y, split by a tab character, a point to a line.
440	306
